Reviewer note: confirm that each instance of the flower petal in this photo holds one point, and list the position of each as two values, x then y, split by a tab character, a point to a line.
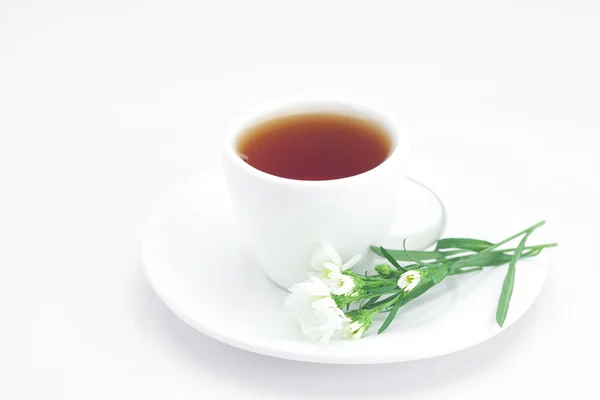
324	303
322	254
402	282
351	262
342	284
353	331
330	268
409	280
318	287
317	313
333	255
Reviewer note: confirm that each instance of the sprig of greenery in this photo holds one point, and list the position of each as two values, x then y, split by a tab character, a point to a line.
452	256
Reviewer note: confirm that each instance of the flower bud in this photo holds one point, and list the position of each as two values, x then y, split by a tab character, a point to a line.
384	270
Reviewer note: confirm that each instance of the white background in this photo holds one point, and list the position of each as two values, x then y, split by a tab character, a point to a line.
105	107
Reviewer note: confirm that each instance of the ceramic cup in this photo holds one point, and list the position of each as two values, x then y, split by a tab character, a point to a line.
284	220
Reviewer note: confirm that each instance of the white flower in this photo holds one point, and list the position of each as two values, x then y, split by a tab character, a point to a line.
340	284
354	330
326	261
324	325
409	280
329	267
319	316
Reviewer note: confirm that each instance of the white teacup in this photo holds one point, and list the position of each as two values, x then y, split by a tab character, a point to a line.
285	220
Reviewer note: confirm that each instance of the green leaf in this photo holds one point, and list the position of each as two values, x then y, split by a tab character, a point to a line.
408	255
418	291
483	260
438	275
391	259
466	270
491	259
539	247
532	253
463	243
516	235
509	283
381	302
391	315
371	301
383	290
400	255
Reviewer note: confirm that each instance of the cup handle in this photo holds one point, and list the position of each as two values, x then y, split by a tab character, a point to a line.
419	217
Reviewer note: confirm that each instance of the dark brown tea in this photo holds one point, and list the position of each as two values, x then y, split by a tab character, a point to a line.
314	147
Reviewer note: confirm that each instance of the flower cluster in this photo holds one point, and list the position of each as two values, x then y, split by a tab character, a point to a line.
317	303
315	310
312	302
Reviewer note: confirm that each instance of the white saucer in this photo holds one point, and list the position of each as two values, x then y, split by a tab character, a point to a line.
197	262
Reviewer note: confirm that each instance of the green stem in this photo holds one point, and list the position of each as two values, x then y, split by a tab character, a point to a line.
536	247
388	302
539	246
531	253
466	271
528	230
463	257
381	302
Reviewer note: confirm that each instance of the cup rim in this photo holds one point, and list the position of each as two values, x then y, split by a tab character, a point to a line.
394	128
